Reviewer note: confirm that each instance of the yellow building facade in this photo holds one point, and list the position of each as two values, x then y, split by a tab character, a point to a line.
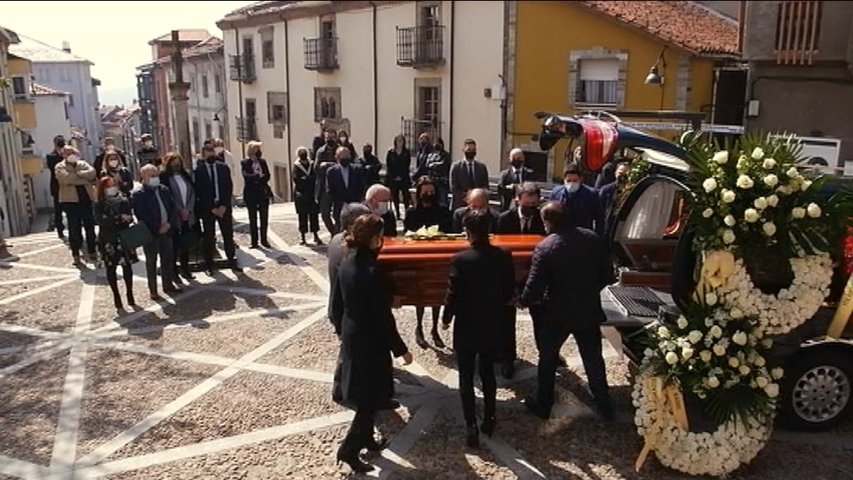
571	57
25	111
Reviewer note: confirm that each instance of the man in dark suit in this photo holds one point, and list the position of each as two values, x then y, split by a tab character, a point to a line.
608	192
466	175
581	202
154	206
345	183
522	219
319	140
478	199
378	200
513	177
213	196
324	158
53	159
482	282
568	270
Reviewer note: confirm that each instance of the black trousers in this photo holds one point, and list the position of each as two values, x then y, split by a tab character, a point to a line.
182	252
308	215
160	246
80	218
508	323
466	362
336	215
550	339
326	214
226	228
397	189
112	279
57	215
258	209
360	430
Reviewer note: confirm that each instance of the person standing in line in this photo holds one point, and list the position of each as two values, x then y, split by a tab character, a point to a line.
213	204
76	194
398	177
112	167
422	156
53	159
608	192
482	282
319	140
467	174
148	153
344	182
362	317
377	199
109	147
438	166
182	188
371	165
344	141
257	193
114	214
512	178
426	213
304	182
154	207
568	270
225	156
324	158
581	202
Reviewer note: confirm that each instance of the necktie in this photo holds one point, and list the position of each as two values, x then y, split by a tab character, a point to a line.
471	173
525	225
518	176
212	170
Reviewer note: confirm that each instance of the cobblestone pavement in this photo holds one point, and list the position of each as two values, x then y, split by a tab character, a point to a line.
231	379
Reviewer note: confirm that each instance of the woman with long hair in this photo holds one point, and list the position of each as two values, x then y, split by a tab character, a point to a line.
181	185
398	176
427	212
114	213
113	167
362	317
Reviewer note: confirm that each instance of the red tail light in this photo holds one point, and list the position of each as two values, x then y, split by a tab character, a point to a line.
848	252
600	142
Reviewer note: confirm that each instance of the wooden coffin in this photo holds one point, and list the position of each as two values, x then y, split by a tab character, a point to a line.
419	268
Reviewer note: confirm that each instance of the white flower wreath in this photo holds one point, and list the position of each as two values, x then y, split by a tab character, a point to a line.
792	306
717	453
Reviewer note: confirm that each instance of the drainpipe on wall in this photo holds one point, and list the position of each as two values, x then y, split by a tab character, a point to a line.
287	87
452	64
240	86
375	84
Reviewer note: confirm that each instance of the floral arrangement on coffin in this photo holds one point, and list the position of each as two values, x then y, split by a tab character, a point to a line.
431	233
751	205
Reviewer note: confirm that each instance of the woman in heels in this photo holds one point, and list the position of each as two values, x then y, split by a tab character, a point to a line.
113	213
361	315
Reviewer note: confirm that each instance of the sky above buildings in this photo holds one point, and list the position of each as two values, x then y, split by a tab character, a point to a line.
114	35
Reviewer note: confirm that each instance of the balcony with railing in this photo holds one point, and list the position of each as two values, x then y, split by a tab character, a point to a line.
321	53
420	46
242	68
247	129
412	128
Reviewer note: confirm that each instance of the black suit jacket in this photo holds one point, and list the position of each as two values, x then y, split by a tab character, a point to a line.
506	184
352	191
567	273
459	217
205	193
256	189
53	159
510	223
482	282
389	224
420	216
461	181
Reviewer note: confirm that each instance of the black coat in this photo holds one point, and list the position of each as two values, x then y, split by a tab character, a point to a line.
422	162
420	216
510	223
304	182
361	314
323	159
398	165
205	193
372	166
459	217
352	191
506	183
567	273
482	282
256	188
389	221
53	159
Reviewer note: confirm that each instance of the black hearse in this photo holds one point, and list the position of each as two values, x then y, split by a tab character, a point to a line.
655	263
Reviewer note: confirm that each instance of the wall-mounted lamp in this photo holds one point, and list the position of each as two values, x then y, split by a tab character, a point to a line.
4	116
29	141
655	78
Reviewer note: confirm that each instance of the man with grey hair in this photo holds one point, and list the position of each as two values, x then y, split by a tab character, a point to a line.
344	183
512	178
477	199
378	199
154	207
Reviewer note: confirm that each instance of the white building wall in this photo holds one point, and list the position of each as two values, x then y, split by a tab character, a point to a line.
50	112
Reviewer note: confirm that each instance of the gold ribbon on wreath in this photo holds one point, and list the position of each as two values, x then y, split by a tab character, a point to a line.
663	395
843	312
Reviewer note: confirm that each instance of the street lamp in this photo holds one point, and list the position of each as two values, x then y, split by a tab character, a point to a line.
655	78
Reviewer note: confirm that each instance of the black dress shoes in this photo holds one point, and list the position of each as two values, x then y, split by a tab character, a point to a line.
508	370
391	404
376	446
488	426
536	409
472	437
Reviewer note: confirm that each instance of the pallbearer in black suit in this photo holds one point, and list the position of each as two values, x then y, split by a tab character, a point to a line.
213	188
256	192
304	181
512	178
361	315
568	270
345	183
481	284
427	212
524	219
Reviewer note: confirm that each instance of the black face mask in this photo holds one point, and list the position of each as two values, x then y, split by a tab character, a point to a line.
368	153
303	157
345	162
428	198
438	148
175	168
528	211
210	159
470	155
258	154
330	142
517	163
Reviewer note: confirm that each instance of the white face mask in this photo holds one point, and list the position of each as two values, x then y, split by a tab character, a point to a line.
382	208
154	181
113	163
343	139
147	144
219	150
573	187
111	191
72	159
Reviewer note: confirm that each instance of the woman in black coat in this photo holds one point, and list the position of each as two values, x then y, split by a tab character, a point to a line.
114	213
398	176
426	213
361	315
304	181
256	192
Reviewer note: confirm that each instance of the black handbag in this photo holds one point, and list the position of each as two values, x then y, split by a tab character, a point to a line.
135	236
188	239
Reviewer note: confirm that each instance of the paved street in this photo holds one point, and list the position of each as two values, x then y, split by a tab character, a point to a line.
232	379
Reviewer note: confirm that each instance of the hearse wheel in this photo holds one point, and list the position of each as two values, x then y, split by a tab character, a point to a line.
818	388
